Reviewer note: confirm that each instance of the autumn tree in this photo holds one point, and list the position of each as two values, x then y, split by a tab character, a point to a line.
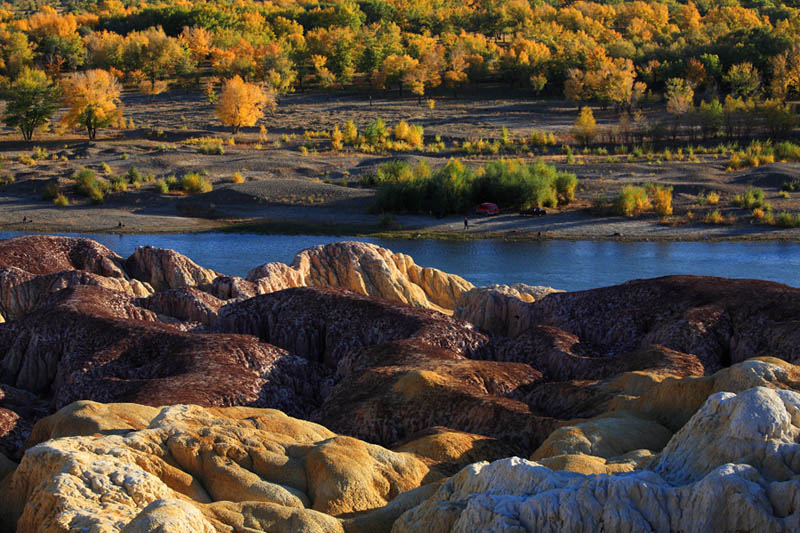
744	80
93	100
31	102
242	104
680	99
584	129
157	55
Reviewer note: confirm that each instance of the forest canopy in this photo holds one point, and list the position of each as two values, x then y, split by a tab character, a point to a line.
615	53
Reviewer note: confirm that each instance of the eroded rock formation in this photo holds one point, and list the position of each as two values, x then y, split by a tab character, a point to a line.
747	481
367	269
209	469
644	378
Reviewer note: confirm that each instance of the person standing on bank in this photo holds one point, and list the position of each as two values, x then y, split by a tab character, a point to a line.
466	223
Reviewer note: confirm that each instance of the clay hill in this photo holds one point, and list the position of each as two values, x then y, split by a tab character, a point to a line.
356	391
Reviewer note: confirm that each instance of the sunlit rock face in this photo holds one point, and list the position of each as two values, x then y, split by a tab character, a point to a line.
620	395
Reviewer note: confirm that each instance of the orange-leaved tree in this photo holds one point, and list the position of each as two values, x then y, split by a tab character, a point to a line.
242	104
93	100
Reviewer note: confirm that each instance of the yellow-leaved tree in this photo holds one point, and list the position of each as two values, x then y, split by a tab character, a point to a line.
242	104
93	100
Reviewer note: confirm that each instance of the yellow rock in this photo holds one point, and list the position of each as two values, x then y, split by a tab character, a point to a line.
271	467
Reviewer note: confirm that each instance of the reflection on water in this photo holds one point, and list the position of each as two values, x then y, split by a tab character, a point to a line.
569	265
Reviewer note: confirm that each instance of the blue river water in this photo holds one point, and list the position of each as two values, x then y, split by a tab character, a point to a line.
568	265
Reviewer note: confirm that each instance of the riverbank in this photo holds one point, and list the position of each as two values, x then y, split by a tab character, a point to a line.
33	217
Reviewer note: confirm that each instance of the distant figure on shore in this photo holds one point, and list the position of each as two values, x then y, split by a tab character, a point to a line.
120	224
24	219
466	223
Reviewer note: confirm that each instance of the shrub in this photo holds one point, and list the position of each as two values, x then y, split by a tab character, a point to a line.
763	217
565	184
51	191
207	145
194	182
787	151
388	221
791	186
40	153
714	217
60	200
661	198
237	177
106	169
25	159
713	198
751	199
161	186
410	134
787	220
455	188
632	201
376	133
118	184
86	184
350	132
337	138
784	194
134	176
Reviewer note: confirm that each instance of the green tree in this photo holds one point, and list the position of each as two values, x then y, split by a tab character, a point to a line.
32	100
584	129
744	80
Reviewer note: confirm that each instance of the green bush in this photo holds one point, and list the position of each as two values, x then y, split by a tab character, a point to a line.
751	199
791	186
788	220
87	184
632	201
51	191
134	176
455	188
376	133
194	183
161	186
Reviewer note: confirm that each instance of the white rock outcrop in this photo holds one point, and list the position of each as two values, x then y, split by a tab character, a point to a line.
733	467
500	309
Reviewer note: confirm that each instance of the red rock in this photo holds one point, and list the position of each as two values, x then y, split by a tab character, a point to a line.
45	254
325	324
186	304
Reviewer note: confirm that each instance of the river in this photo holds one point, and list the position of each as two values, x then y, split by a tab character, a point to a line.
568	265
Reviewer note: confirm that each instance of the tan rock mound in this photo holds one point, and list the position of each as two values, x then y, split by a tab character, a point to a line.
366	269
202	468
500	309
167	269
644	409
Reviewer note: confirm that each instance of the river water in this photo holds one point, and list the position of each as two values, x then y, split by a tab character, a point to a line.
568	265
